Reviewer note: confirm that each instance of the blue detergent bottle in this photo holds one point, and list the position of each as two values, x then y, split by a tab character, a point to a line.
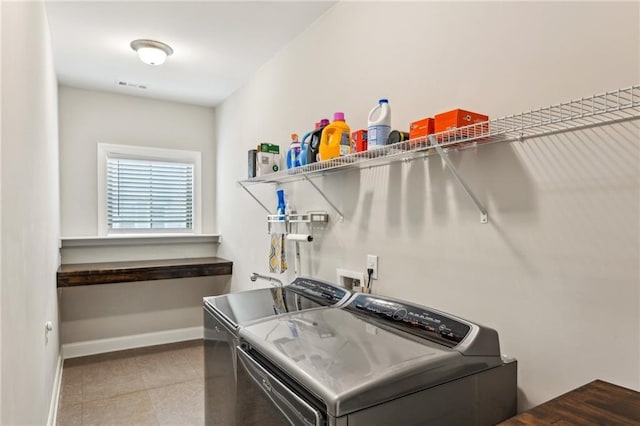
293	154
304	149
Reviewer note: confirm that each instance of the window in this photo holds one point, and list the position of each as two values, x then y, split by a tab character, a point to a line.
144	194
147	190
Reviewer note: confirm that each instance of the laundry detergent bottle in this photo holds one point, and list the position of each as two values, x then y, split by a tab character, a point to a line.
314	141
304	149
379	125
293	154
336	138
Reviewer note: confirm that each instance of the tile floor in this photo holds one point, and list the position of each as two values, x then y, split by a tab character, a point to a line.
157	385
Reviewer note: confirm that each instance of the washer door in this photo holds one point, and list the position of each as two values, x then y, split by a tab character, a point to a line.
264	400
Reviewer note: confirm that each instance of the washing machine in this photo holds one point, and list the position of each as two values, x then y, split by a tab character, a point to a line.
374	361
225	315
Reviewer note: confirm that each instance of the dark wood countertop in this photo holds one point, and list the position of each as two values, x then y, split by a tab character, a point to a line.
596	403
70	275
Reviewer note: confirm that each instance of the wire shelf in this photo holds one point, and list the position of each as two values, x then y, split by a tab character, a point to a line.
606	108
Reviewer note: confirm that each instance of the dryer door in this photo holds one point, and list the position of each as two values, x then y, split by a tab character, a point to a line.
265	400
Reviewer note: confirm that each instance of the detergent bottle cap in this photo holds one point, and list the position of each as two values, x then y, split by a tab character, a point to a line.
294	136
338	116
324	122
383	101
318	124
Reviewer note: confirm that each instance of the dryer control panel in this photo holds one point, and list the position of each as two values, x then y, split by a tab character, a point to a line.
319	291
414	319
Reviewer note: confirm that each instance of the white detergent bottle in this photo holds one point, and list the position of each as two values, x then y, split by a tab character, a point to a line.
379	125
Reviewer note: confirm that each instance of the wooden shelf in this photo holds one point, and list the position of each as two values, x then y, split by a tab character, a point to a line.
596	403
71	275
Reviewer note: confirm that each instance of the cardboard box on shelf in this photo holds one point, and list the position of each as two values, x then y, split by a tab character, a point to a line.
456	119
269	147
420	129
267	159
359	141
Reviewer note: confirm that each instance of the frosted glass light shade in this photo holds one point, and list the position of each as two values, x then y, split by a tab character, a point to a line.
152	56
151	52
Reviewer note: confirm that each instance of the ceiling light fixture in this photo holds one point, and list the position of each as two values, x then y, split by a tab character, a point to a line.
151	52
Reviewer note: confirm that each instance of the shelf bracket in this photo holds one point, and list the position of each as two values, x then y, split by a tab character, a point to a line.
484	217
340	215
255	198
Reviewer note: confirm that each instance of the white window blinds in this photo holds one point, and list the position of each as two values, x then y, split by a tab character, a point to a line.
149	195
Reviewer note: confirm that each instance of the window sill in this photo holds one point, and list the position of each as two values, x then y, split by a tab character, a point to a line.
137	240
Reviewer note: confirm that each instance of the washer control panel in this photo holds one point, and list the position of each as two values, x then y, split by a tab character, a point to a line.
414	319
319	291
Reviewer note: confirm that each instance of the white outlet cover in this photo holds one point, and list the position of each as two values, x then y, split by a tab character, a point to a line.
345	273
372	261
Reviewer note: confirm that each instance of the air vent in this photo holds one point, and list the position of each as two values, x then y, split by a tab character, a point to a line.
130	85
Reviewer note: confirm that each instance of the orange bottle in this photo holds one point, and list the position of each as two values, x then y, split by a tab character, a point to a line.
336	138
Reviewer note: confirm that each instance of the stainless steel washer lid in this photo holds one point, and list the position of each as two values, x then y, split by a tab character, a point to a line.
303	293
243	307
351	363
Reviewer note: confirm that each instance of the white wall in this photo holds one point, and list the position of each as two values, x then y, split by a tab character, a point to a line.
556	270
0	212
30	215
89	117
123	310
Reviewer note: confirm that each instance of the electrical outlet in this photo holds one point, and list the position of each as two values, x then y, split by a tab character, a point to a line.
372	263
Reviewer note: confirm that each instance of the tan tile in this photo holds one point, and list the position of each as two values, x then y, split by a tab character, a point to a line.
194	342
93	359
166	368
197	343
74	362
179	404
105	379
71	385
195	355
69	415
167	347
129	409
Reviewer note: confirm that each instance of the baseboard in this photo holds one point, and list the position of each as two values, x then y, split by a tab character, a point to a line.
92	347
55	394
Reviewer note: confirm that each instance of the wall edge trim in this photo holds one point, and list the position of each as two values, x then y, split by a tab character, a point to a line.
93	347
55	394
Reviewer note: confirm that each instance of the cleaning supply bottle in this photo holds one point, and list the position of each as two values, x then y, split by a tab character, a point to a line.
304	149
282	206
334	137
379	125
314	141
293	154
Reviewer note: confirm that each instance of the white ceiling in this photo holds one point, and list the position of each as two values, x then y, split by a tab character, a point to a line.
217	45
